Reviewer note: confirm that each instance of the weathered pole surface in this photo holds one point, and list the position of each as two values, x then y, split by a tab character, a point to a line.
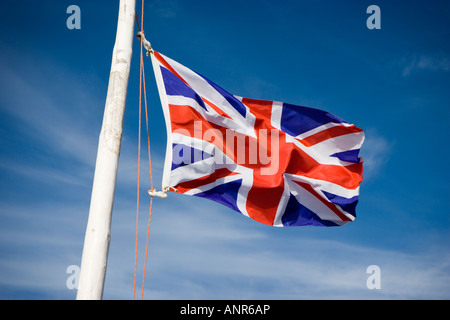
96	242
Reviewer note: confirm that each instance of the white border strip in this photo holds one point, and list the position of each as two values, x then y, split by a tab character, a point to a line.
165	107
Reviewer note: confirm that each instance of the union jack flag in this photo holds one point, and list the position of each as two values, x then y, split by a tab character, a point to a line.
277	163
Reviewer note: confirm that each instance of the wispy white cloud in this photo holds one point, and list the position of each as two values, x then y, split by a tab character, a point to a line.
375	152
63	128
217	254
424	62
45	174
213	253
62	123
37	244
59	122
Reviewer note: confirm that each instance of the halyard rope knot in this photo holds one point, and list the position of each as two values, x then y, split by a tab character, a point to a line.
145	42
160	194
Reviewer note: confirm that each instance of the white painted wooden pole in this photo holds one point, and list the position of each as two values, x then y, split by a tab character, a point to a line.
96	242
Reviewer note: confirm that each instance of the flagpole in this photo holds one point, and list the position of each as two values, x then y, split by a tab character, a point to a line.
96	242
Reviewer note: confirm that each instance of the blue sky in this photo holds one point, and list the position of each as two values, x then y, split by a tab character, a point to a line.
392	82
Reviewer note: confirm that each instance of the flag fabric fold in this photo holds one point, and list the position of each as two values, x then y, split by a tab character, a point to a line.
277	163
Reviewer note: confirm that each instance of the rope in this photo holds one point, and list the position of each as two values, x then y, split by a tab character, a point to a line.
142	86
138	176
136	17
150	170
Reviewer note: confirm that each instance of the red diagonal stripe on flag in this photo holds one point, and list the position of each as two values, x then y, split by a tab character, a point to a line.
192	184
